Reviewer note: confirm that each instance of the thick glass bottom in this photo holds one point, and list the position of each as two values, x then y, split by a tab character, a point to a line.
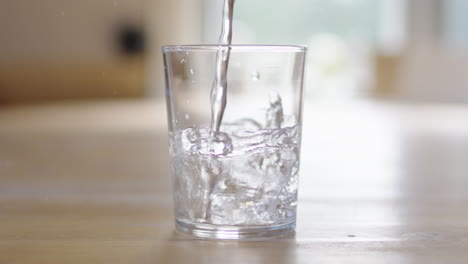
207	231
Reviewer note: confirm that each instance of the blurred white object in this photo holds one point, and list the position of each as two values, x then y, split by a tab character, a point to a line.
336	68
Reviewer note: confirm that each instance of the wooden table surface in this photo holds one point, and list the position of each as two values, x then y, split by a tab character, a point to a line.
381	182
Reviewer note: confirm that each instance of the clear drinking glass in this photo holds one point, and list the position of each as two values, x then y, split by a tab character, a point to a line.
240	182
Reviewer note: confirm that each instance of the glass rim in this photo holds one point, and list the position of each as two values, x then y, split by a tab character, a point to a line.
235	47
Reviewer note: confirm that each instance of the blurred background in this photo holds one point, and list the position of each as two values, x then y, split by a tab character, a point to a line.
55	50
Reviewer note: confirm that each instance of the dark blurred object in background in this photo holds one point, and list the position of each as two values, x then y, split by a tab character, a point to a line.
55	50
131	39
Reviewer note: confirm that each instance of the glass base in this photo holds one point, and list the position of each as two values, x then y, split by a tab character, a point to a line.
235	232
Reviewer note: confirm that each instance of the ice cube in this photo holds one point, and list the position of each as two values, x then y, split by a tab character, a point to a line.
274	114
